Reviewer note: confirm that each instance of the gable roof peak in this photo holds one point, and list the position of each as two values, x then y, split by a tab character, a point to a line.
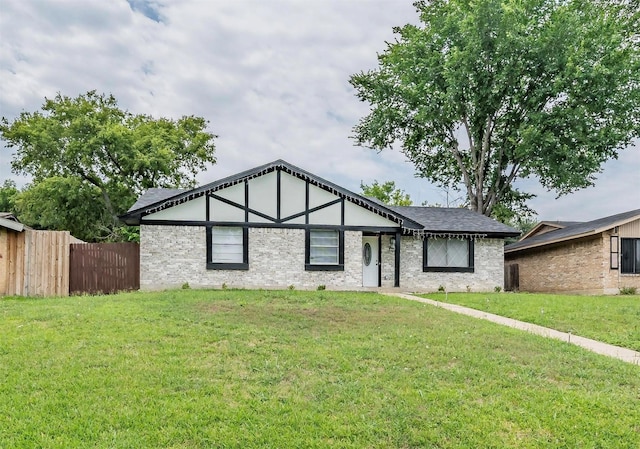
155	200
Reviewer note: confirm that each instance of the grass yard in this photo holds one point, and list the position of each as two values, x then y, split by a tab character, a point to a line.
289	369
611	319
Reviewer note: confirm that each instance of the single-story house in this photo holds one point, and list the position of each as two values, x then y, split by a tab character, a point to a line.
595	257
277	226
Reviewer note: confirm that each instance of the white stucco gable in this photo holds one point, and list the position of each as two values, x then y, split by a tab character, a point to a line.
193	210
276	197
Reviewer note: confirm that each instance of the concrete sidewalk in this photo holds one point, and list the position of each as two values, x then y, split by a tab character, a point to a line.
624	354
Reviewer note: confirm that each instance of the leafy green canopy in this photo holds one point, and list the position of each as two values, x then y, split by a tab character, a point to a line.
89	157
387	193
8	195
487	92
65	204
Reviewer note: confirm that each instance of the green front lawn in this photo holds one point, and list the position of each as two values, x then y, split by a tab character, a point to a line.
280	369
611	319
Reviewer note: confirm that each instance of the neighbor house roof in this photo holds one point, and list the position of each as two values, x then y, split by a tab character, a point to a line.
574	231
547	226
8	220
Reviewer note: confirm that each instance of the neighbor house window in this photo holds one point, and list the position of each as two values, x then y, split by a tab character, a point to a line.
630	256
614	251
227	248
324	250
448	254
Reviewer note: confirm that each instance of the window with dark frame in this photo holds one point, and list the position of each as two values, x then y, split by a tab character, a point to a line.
324	250
614	252
448	255
630	252
227	248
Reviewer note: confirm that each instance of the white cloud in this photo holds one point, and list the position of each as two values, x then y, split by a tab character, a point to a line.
270	76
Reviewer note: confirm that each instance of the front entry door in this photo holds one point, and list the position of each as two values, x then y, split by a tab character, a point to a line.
370	272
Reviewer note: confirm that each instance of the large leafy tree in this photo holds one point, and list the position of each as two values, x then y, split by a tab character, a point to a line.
484	93
9	193
89	149
387	193
66	204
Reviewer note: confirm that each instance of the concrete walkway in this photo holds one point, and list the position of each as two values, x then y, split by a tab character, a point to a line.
627	355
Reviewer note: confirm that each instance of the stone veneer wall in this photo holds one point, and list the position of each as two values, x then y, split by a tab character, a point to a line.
388	269
173	255
488	271
577	266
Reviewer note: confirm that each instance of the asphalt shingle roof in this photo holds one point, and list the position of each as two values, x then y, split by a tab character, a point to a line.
450	219
154	195
575	230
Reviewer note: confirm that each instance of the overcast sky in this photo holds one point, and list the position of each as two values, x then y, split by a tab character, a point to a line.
271	76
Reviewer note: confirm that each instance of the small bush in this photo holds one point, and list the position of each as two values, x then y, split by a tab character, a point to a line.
322	287
292	287
628	291
441	288
186	286
497	289
224	286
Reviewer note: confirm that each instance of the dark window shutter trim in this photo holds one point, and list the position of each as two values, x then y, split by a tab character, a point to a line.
448	269
228	266
316	267
468	269
628	264
310	267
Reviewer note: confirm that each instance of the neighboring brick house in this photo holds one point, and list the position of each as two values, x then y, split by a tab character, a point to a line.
599	256
277	226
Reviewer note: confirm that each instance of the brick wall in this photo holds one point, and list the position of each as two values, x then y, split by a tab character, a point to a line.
575	266
173	255
488	271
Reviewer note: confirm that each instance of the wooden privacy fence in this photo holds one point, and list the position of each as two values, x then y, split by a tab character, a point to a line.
512	278
37	263
104	267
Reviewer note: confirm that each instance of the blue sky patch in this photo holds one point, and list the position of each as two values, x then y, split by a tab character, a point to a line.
146	8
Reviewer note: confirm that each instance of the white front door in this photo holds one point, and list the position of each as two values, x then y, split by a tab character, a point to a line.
370	261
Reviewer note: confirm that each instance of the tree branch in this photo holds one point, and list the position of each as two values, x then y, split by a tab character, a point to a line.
93	179
485	154
465	174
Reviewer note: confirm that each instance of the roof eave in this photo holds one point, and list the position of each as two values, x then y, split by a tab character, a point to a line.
550	242
540	225
130	219
485	234
617	223
592	232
